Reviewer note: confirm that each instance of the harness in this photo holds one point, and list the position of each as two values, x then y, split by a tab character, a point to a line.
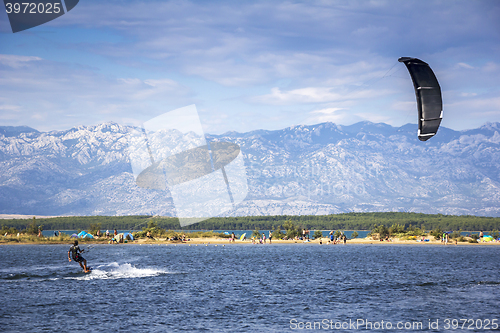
74	252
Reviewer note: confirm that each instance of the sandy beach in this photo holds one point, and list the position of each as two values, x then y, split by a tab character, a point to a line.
324	241
217	241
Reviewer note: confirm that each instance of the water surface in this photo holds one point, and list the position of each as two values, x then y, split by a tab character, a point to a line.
245	288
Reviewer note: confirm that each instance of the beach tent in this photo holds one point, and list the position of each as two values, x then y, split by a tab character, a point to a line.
84	234
129	234
487	238
74	236
243	237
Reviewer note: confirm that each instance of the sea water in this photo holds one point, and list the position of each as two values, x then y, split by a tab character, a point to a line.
248	288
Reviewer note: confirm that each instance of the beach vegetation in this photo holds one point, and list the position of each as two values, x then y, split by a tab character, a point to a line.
318	234
354	235
291	229
33	228
413	223
206	234
256	234
379	232
495	234
397	229
8	230
437	233
94	227
278	233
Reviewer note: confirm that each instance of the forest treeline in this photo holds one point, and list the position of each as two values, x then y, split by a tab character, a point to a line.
347	221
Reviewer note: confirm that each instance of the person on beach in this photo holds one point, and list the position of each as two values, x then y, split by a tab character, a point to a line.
270	236
76	255
107	233
264	237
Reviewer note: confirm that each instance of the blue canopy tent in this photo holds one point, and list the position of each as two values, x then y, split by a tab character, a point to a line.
125	234
84	234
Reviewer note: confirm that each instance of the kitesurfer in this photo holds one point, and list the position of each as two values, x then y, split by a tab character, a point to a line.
76	255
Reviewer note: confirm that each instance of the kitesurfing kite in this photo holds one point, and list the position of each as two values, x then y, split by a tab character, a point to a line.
428	93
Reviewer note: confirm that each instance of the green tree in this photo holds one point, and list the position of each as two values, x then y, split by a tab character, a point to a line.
495	234
94	227
291	229
397	229
32	228
256	234
152	225
437	233
277	234
318	234
381	231
354	235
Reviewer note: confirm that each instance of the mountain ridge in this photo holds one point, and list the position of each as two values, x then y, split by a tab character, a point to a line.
306	169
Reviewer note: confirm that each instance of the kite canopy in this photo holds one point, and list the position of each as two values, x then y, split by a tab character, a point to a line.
428	94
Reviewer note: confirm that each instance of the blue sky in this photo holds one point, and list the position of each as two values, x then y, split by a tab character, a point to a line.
250	64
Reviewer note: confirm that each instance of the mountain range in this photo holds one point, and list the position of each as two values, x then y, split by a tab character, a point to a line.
314	169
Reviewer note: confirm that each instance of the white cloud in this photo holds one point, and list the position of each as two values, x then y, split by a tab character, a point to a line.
344	117
16	61
52	95
251	63
464	65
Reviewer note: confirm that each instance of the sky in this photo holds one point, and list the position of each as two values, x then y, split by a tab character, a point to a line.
250	65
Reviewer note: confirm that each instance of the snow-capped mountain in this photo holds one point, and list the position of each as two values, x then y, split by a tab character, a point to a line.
318	169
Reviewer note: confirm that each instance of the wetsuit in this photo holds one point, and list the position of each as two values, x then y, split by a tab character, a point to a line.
75	253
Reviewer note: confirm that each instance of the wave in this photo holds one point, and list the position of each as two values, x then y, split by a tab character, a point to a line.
495	283
120	271
107	271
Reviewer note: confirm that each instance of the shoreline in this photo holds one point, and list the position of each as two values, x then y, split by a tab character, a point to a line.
225	241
